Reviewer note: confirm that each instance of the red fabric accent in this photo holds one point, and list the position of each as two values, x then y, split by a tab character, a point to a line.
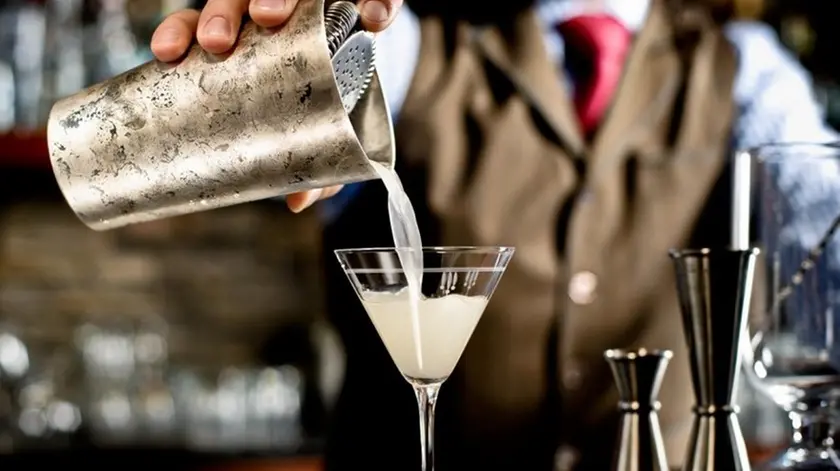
604	42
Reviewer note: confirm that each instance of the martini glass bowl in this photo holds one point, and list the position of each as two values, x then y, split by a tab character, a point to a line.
426	338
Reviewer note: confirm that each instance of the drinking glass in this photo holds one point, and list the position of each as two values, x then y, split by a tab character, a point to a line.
792	354
426	343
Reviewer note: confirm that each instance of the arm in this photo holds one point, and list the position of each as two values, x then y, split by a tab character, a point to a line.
397	53
776	104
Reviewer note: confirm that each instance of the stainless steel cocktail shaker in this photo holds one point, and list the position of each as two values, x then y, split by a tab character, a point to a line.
288	110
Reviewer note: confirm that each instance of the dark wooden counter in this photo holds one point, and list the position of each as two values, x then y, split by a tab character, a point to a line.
167	459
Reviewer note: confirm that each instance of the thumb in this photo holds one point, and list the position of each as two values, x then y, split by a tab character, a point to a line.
378	14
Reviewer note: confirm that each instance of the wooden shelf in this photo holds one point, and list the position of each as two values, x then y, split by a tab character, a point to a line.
24	149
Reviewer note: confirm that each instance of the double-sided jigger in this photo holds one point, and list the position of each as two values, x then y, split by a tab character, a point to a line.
714	288
638	376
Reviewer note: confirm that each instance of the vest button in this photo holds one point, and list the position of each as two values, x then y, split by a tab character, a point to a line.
572	377
582	287
565	458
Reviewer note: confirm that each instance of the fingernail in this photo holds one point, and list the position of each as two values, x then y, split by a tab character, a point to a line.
273	5
167	36
217	26
375	11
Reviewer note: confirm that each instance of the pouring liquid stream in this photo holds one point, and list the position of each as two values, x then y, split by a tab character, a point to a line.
408	245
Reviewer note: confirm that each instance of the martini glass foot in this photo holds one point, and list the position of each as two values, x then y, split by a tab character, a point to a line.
814	447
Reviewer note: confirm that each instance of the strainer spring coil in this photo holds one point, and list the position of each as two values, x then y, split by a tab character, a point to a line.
339	20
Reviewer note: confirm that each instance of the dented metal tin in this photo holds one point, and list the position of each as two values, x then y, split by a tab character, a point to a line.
164	140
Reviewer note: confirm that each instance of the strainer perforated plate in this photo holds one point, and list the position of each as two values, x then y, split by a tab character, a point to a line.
353	64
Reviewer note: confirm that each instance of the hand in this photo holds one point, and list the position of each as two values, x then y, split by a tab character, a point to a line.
217	26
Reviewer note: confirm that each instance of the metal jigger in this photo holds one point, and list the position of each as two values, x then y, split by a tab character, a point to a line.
714	289
638	376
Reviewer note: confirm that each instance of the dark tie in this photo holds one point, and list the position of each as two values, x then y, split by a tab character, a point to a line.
596	46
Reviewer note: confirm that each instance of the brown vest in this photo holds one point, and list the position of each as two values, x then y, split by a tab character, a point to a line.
489	133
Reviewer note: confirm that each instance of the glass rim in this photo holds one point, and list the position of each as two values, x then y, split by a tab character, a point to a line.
633	354
772	152
459	249
705	251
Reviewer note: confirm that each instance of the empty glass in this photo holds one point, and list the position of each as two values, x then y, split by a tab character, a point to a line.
793	356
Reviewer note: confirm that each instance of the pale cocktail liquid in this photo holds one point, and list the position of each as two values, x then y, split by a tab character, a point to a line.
445	327
408	245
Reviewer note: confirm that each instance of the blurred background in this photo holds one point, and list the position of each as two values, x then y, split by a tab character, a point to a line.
152	340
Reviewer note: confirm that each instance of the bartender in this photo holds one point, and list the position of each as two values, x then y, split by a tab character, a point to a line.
591	135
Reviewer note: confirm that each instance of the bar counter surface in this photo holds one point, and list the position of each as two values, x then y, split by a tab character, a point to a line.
189	461
162	459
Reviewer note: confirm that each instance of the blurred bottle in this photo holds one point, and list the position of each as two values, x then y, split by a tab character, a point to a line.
22	30
7	78
7	90
111	47
64	67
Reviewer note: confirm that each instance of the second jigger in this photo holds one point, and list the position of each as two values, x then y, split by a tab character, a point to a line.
287	110
638	376
714	289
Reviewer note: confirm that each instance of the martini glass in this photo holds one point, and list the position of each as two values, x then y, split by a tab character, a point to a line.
426	339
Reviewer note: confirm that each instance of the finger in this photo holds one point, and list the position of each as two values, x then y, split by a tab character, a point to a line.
330	192
174	35
219	24
271	13
378	14
297	202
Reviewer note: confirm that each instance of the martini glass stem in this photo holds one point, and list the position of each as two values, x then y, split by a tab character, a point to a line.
427	395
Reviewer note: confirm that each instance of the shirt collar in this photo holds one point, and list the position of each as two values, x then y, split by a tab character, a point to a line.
632	13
